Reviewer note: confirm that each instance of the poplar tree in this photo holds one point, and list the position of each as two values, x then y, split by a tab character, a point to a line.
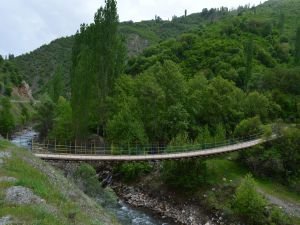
297	47
56	85
98	59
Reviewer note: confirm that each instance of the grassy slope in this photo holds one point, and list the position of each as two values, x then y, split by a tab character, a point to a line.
64	203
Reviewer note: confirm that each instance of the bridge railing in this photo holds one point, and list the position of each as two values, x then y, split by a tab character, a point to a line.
91	148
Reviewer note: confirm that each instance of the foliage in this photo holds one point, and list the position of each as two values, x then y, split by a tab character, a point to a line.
56	85
62	121
278	159
248	127
87	179
9	77
125	128
248	204
97	60
44	115
7	123
132	171
252	208
186	174
297	47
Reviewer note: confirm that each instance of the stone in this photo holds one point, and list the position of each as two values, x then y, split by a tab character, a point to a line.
5	155
8	179
22	196
5	220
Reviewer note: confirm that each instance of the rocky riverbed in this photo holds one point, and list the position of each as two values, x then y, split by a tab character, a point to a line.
166	206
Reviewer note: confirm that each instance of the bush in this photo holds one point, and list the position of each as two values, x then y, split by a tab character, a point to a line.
248	204
86	177
185	174
132	171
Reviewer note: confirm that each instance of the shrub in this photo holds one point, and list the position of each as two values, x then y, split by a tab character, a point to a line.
132	171
184	174
248	204
86	177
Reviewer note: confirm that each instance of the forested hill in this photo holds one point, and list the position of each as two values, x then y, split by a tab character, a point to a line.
39	65
262	22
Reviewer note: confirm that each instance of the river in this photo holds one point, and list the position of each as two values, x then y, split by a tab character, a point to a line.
126	214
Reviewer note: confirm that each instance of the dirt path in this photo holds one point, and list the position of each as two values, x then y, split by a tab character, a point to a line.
289	207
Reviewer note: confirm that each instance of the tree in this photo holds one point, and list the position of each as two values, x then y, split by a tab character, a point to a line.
184	175
249	48
281	23
248	204
257	104
44	116
62	122
151	103
219	102
7	123
297	47
56	85
247	127
98	59
126	126
289	146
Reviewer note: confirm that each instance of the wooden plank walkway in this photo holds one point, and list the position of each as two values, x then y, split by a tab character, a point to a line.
150	157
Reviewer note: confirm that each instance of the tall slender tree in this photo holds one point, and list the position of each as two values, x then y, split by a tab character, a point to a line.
297	47
56	85
98	59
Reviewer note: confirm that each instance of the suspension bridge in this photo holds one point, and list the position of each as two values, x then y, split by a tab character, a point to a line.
72	151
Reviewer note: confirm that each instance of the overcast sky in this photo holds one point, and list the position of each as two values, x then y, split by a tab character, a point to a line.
28	24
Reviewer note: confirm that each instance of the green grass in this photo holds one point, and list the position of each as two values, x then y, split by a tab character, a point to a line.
32	215
59	209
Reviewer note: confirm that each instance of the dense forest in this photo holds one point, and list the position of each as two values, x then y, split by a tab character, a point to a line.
202	78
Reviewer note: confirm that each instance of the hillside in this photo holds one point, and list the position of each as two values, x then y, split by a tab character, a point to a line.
39	65
15	98
32	192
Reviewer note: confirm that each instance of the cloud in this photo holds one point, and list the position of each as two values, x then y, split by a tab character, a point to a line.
26	25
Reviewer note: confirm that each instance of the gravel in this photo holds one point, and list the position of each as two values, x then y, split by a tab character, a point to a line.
288	207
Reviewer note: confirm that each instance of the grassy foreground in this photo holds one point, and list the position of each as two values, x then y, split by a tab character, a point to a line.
61	201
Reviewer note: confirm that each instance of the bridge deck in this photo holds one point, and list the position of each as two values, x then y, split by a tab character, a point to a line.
165	156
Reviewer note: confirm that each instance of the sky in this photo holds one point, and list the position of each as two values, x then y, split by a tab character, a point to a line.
28	24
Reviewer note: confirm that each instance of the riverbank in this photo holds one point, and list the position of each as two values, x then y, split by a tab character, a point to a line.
209	204
33	192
